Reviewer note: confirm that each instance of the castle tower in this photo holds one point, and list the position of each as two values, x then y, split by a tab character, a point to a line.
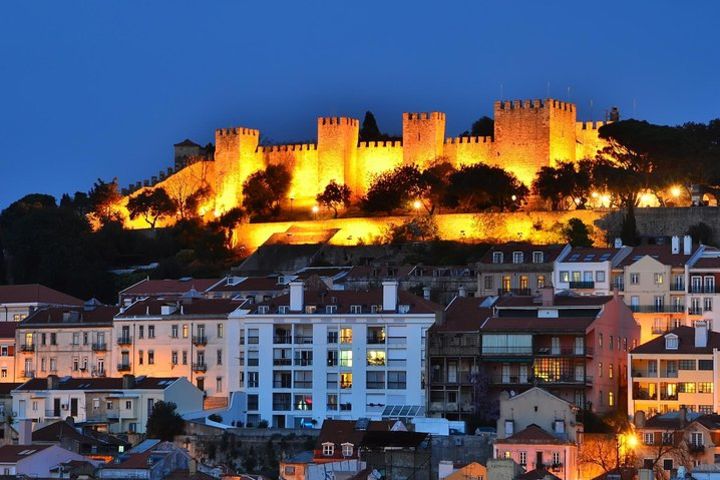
530	134
235	160
337	151
423	137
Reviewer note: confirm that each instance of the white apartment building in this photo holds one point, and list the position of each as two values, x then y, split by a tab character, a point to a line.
187	337
316	354
121	404
587	270
64	341
702	281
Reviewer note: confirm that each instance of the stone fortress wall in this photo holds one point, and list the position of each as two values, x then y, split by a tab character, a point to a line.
529	134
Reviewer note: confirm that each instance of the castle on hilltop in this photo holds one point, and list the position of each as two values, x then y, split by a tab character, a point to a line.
529	134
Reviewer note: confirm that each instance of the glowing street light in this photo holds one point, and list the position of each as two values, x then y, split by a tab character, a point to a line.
675	191
513	198
315	209
417	204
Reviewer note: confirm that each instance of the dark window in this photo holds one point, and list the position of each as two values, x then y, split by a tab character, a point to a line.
667	464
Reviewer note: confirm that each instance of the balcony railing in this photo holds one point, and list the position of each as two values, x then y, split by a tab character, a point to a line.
658	308
303	339
375	340
199	367
278	339
123	367
27	347
199	340
515	291
486	350
282	362
124	340
695	310
99	347
704	289
643	394
668	396
582	285
563	351
677	287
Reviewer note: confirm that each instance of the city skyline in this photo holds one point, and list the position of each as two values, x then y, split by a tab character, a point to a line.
88	99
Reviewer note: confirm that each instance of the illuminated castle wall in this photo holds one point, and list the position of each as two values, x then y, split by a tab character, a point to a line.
529	134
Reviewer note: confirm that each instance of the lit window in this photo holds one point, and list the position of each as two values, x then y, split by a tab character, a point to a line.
346	335
611	399
345	380
376	358
346	358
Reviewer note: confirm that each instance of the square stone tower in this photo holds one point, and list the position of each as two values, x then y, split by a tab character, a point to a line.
337	143
423	137
235	160
530	134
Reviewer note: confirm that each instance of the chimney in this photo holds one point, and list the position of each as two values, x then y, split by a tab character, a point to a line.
675	242
547	295
390	295
701	334
618	242
297	293
639	419
687	245
128	381
462	292
445	468
53	382
426	293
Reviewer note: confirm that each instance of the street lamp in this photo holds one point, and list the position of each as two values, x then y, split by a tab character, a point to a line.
315	209
675	191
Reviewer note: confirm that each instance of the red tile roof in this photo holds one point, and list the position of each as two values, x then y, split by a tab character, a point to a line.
141	383
464	314
250	284
169	286
707	263
590	255
661	253
190	306
550	252
15	453
344	299
7	329
537	474
533	434
51	317
359	272
6	388
338	432
35	293
686	343
540	325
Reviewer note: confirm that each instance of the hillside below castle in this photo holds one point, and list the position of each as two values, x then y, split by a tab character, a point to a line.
528	134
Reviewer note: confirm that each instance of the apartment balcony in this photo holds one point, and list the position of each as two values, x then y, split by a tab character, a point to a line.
199	340
696	448
695	311
199	367
549	351
303	339
668	396
282	339
704	289
124	340
640	373
459	377
526	351
582	285
567	379
515	291
677	287
282	362
658	308
643	394
375	340
99	347
27	347
620	287
123	367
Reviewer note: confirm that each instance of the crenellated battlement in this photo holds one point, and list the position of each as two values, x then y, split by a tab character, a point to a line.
423	116
457	140
353	122
534	104
590	125
234	131
381	144
304	147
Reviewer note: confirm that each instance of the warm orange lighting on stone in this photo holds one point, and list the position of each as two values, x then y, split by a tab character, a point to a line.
417	204
675	191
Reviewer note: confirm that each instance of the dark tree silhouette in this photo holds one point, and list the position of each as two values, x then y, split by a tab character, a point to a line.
152	205
482	127
482	187
701	233
334	196
577	234
369	131
164	422
264	190
103	197
628	228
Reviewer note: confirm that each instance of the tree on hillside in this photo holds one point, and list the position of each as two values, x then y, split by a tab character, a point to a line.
164	423
334	196
482	127
103	198
482	187
434	183
152	205
417	229
565	181
577	234
393	189
264	190
228	222
548	187
628	228
701	233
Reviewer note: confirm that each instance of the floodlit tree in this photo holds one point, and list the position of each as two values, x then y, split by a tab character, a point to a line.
434	183
264	190
103	198
417	229
152	205
482	127
334	196
393	189
483	187
164	423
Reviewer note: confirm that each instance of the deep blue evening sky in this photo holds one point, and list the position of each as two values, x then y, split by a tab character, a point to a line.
104	88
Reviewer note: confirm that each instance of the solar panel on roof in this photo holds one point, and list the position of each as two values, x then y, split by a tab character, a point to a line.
574	257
